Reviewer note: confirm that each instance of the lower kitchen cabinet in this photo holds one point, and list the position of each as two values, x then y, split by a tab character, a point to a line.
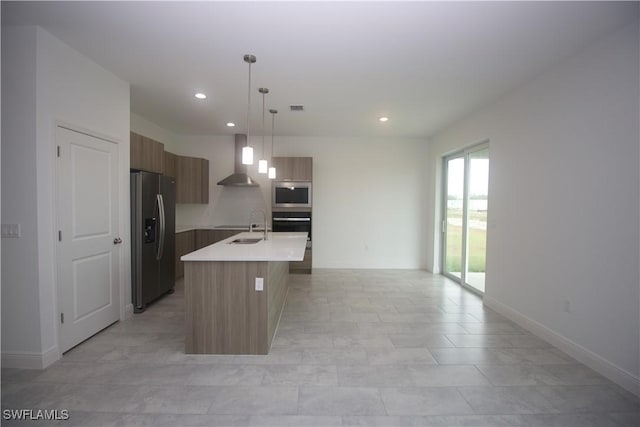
302	267
185	243
209	237
218	235
203	238
192	240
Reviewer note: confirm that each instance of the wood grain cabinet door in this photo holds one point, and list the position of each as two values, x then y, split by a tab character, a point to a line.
192	180
170	164
293	168
303	266
146	154
204	238
184	245
204	181
218	235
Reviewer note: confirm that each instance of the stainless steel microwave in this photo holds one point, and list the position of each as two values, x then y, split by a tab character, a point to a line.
291	194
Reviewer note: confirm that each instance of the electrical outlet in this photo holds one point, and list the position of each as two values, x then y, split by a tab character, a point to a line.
11	231
567	306
259	283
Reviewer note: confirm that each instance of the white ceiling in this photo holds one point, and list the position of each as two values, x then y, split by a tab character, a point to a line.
423	64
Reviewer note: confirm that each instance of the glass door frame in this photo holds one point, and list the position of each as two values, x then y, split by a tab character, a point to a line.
464	154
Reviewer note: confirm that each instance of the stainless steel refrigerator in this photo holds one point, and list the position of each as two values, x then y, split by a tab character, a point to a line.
153	208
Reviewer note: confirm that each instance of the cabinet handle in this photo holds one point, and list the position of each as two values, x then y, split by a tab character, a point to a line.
117	241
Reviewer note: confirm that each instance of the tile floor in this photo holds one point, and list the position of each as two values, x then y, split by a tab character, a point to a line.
354	348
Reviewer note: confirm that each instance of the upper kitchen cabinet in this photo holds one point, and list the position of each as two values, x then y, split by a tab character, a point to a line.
146	154
170	167
192	180
293	168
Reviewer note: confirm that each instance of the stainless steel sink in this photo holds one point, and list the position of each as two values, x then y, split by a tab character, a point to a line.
245	240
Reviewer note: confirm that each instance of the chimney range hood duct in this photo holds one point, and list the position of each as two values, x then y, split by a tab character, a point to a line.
239	178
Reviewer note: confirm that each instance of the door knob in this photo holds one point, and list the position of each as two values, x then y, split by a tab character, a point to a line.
117	241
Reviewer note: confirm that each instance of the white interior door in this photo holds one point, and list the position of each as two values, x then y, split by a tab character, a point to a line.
88	242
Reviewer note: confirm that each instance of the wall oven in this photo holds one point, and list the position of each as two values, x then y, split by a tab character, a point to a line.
291	194
292	222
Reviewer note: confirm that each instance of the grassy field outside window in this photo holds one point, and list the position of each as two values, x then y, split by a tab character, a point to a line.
477	241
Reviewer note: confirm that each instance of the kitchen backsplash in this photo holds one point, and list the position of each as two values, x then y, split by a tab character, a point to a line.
227	205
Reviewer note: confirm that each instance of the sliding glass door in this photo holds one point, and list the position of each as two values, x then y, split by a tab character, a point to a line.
464	225
454	172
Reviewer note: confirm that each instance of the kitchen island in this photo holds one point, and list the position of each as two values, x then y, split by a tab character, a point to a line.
235	292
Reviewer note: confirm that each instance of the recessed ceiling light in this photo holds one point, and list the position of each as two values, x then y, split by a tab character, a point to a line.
383	119
200	95
230	124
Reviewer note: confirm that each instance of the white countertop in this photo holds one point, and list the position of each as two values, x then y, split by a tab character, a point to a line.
278	247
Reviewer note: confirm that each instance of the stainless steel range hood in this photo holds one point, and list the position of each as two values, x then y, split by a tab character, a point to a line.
239	178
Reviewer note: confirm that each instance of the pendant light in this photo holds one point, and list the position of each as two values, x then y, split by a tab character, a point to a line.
262	163
272	170
247	150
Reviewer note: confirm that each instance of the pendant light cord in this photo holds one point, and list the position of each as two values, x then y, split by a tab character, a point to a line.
272	169
263	93
273	120
248	106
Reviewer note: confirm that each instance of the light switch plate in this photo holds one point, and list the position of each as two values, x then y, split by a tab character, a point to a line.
11	231
259	283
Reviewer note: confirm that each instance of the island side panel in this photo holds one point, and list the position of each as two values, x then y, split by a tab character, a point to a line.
224	314
277	287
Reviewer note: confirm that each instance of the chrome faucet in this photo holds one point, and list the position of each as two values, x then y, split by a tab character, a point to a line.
264	217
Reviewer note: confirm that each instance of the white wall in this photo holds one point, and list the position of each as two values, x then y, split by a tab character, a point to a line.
151	130
19	277
62	87
368	194
368	200
564	204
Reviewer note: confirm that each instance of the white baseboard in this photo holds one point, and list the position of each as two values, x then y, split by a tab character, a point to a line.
30	360
618	375
128	312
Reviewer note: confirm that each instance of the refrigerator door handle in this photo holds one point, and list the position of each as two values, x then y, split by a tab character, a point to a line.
160	202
